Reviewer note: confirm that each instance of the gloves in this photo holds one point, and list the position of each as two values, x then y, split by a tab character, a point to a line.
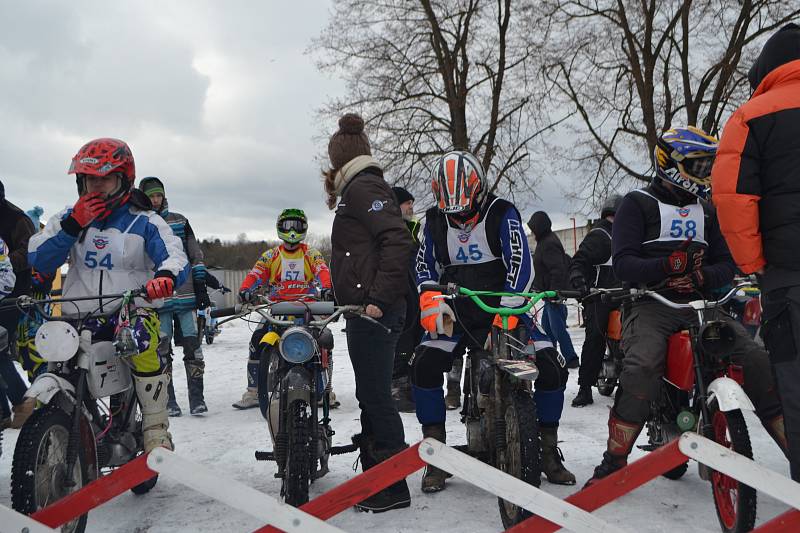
159	287
435	316
41	282
201	298
513	321
247	296
87	208
578	283
688	257
687	284
326	294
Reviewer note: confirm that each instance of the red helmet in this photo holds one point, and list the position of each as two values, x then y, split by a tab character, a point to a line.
101	157
458	182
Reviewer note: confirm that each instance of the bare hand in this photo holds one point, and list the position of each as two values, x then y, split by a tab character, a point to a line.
373	311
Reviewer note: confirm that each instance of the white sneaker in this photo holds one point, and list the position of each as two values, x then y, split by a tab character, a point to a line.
249	399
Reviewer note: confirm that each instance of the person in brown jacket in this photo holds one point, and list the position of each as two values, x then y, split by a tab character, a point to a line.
756	183
371	250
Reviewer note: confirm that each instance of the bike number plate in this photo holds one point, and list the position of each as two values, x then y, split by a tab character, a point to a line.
524	370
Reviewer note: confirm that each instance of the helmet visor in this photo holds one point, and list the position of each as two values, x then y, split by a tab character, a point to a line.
698	167
292	224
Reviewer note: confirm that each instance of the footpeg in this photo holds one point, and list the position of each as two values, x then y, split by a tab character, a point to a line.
265	456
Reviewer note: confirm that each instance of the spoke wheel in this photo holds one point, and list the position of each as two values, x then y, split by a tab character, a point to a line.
520	458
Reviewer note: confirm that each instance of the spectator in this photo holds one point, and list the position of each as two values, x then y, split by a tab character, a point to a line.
550	267
371	250
756	183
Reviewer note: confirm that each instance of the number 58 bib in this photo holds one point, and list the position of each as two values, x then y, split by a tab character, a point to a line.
681	223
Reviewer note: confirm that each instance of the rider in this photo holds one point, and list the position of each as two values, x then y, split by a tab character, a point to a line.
115	243
289	271
591	267
667	235
188	297
475	239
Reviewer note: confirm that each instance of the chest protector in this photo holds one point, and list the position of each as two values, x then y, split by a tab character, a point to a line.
290	273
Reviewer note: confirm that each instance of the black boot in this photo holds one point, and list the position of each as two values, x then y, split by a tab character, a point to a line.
396	496
173	409
403	398
194	377
621	438
433	480
583	398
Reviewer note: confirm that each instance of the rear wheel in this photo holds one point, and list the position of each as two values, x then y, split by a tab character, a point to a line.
298	461
735	502
521	455
38	473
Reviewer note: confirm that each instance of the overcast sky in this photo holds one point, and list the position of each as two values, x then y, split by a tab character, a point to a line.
216	98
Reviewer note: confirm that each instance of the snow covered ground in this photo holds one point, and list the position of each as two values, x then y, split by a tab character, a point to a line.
225	439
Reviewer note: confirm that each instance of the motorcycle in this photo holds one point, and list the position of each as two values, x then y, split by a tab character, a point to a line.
499	410
60	448
294	388
702	392
207	326
612	358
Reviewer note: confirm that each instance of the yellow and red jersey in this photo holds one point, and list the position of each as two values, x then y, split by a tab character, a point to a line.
289	275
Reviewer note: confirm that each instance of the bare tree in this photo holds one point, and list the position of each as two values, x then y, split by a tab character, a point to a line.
632	68
430	76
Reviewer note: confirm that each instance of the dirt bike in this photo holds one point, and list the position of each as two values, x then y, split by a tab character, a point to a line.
702	392
612	358
60	448
207	326
499	410
294	387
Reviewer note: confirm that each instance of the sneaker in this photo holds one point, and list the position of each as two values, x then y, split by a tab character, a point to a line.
249	399
199	408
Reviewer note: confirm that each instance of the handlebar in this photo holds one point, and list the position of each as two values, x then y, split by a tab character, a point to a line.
294	308
619	295
451	290
27	301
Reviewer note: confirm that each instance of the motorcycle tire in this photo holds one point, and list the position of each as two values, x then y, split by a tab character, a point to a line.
677	472
263	375
606	386
298	461
734	501
41	449
521	455
145	486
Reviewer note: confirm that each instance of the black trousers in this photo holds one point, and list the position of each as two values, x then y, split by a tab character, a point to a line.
372	353
781	331
595	316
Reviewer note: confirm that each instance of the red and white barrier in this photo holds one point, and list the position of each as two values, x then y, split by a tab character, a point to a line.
18	522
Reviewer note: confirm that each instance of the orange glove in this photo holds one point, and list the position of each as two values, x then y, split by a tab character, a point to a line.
435	316
513	322
160	287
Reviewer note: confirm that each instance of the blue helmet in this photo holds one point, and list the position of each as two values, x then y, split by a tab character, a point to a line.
684	157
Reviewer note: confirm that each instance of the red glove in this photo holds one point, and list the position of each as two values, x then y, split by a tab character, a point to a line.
159	288
513	321
87	208
688	257
435	316
687	284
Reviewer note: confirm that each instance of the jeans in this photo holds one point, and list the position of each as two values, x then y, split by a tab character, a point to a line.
595	316
372	351
554	321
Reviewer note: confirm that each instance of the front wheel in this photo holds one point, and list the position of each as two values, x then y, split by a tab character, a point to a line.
298	461
735	502
521	455
38	472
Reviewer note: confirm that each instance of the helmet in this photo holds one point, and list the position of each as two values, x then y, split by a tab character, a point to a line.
458	182
292	226
102	157
610	206
684	157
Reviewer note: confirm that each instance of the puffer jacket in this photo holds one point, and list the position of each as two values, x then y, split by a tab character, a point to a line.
756	176
119	253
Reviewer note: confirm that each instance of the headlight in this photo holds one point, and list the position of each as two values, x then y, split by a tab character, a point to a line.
297	345
57	341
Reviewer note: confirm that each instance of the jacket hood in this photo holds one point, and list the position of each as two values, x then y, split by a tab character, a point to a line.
783	47
540	224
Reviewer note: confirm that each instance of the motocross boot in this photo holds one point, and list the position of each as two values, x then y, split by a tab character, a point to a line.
621	437
194	378
552	458
402	395
152	394
173	409
433	479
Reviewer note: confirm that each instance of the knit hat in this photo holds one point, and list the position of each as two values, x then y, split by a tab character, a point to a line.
402	195
151	185
348	142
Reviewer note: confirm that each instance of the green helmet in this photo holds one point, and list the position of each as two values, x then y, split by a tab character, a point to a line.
292	226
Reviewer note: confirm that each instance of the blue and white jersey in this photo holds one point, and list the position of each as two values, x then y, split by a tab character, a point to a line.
110	256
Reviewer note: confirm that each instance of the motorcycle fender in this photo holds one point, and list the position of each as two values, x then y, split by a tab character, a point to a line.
729	395
48	385
297	384
270	338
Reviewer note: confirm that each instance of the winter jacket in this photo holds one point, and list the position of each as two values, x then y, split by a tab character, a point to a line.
756	176
184	297
119	253
371	243
592	261
16	230
550	262
651	223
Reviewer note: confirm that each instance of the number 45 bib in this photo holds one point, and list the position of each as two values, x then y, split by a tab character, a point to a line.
681	223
